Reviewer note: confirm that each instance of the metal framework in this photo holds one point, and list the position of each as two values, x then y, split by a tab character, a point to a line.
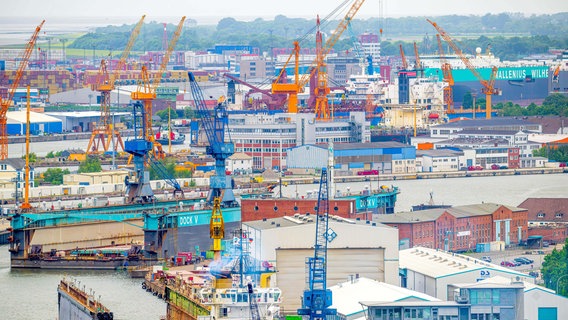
5	103
104	132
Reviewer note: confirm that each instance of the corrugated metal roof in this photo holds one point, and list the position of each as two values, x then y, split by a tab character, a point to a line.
304	219
439	264
347	295
35	117
370	145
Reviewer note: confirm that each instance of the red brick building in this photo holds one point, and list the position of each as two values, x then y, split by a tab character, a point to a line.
548	218
258	209
459	228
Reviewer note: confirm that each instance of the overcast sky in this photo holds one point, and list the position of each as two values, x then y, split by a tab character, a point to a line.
249	9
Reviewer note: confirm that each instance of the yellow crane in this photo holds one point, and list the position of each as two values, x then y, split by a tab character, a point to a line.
319	65
104	132
7	102
217	228
447	77
488	85
146	91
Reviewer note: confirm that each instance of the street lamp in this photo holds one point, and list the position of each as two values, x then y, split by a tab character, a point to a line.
558	282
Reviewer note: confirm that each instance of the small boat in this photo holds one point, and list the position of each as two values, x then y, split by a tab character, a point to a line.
430	205
166	136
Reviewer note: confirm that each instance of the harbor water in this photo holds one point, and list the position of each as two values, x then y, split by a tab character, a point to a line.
32	294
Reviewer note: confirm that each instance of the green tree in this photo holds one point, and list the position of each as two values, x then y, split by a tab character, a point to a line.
54	176
555	270
91	164
163	114
50	155
33	157
188	113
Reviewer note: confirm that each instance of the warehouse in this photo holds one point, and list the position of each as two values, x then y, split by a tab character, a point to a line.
362	247
39	123
430	271
81	121
351	158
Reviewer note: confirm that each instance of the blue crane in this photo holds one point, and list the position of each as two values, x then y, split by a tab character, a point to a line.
317	298
214	123
138	189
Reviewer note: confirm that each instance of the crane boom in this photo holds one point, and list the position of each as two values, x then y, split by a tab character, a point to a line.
418	65
488	85
5	103
403	58
104	132
317	298
448	77
292	89
146	90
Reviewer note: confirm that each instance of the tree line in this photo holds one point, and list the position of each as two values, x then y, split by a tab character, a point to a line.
511	36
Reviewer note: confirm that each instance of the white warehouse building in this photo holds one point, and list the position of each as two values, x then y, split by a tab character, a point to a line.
359	248
430	271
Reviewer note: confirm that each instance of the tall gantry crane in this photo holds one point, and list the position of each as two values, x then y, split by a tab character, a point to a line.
403	58
488	85
146	91
214	123
447	77
317	298
104	132
318	65
5	103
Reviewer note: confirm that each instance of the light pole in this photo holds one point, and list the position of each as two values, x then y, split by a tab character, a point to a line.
558	282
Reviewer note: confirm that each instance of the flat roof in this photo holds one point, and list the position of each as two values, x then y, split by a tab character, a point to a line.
439	263
347	295
305	219
83	114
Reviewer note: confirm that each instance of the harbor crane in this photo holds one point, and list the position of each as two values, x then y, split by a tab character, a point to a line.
146	91
403	58
317	298
318	65
138	189
104	132
214	123
488	85
7	102
447	77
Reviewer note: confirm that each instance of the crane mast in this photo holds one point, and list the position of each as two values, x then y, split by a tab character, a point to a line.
5	103
292	89
103	134
146	91
488	85
317	298
214	123
448	77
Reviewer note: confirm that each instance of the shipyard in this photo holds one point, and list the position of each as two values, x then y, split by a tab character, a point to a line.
332	161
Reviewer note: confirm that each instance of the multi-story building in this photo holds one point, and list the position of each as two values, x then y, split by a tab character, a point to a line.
548	218
12	174
459	228
267	137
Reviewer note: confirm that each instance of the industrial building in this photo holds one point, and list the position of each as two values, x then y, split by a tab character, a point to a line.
459	228
347	296
351	158
267	137
430	271
370	249
540	303
547	218
82	121
39	123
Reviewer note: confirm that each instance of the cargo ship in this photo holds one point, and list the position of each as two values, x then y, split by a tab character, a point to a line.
74	303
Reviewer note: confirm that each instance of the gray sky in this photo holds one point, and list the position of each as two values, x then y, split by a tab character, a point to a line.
204	11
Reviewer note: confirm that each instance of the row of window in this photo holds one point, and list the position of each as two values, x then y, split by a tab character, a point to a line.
265	141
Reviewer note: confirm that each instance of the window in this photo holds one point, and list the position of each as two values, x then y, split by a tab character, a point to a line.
540	215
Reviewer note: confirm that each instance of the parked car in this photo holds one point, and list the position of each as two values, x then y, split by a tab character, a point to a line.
526	259
495	167
545	244
486	258
522	261
508	264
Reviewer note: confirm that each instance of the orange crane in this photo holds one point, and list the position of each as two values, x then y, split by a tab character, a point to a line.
448	77
319	65
5	103
146	91
403	58
418	64
104	131
488	85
